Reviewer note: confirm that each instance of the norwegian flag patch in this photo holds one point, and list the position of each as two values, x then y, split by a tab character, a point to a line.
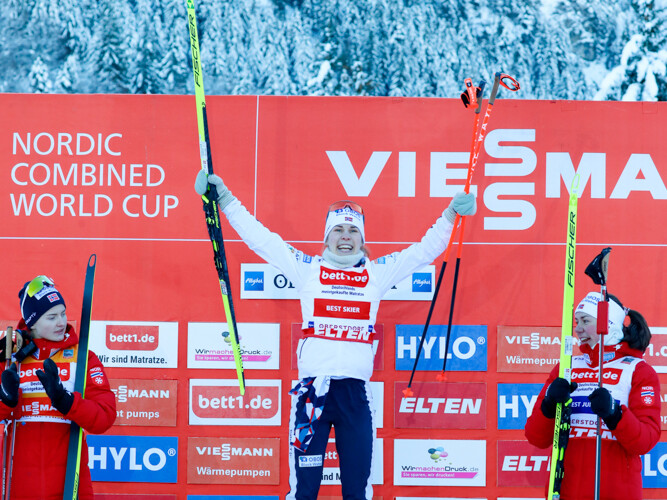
349	219
647	395
52	297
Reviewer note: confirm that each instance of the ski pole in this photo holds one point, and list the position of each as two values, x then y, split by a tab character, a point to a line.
471	96
597	270
210	199
5	443
475	151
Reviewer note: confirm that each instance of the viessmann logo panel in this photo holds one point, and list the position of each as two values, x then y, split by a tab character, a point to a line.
227	460
145	402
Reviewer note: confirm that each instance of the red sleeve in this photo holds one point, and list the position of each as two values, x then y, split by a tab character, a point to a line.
639	428
539	429
97	411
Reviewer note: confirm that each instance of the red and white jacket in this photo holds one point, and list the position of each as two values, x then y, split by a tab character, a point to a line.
42	432
634	384
338	306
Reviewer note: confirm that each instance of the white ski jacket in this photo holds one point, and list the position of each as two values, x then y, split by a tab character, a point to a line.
339	306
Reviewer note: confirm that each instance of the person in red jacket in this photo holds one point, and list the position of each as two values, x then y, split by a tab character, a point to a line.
37	393
628	404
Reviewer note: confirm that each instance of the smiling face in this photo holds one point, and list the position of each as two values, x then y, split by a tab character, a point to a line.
344	239
586	329
51	325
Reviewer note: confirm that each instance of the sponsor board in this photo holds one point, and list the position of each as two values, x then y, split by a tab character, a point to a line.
263	281
135	344
654	467
515	404
145	402
467	349
440	406
378	345
528	349
133	459
223	460
209	346
439	462
331	465
438	498
656	352
218	402
522	464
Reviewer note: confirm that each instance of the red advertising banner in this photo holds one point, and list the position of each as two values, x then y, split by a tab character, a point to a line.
113	174
437	405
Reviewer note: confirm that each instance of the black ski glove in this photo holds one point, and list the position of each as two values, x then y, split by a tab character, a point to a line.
558	392
604	405
61	398
9	389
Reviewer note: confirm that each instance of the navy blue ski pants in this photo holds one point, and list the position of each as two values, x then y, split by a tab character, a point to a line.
348	409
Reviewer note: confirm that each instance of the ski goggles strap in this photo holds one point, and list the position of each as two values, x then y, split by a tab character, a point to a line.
339	205
38	284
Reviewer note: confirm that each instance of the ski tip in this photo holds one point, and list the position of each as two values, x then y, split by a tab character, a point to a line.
92	260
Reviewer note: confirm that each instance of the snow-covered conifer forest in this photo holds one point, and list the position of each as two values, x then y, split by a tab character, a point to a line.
557	49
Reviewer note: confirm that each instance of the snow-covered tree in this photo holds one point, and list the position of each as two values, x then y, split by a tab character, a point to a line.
38	77
557	49
641	74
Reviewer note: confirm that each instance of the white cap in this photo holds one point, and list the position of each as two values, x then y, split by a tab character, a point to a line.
616	316
344	215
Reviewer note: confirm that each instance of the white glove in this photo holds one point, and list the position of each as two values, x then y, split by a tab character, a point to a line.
202	181
462	204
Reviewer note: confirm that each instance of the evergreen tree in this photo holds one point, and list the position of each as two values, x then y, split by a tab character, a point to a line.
175	65
38	77
641	74
147	46
566	50
111	44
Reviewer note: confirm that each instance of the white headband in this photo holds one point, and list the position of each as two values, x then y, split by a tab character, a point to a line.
616	316
344	215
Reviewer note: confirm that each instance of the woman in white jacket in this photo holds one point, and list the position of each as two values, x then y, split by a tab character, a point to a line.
340	292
